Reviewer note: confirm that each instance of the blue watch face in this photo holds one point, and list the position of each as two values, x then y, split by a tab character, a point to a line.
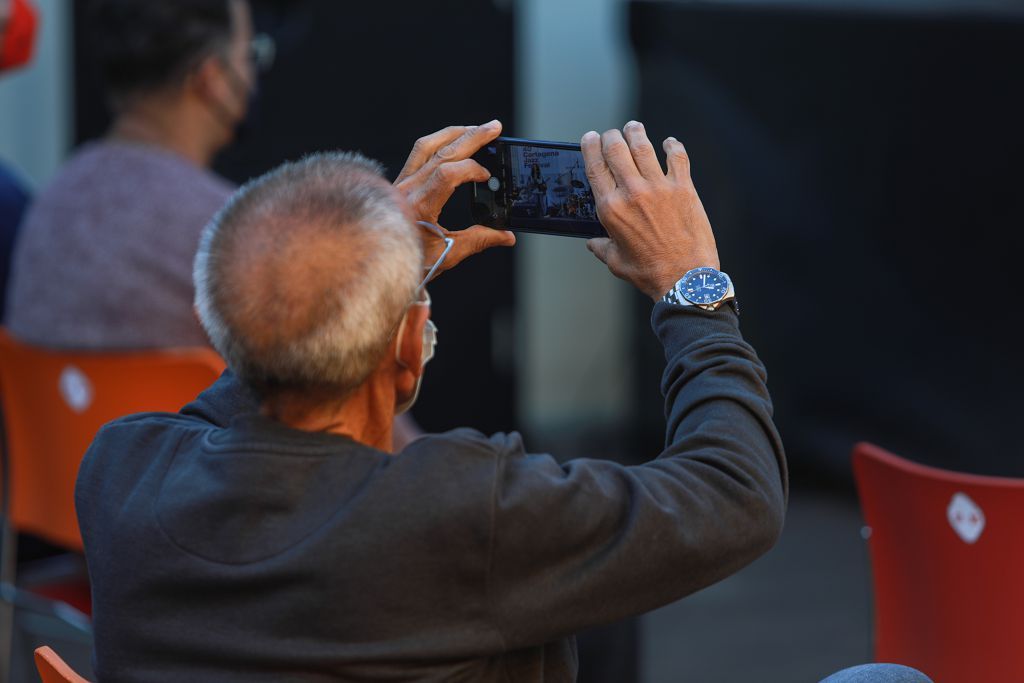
704	286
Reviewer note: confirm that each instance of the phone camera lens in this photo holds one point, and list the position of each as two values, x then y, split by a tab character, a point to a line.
494	184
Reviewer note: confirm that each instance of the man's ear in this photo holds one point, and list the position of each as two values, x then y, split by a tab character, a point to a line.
410	345
204	80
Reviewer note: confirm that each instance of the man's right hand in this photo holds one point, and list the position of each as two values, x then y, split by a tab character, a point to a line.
657	227
438	164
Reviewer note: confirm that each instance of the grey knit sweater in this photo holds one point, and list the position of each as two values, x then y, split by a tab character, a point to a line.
104	256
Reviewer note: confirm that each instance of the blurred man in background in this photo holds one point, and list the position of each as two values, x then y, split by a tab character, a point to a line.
105	255
17	39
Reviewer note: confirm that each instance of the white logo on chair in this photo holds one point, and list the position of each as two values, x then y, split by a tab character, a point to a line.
75	389
966	518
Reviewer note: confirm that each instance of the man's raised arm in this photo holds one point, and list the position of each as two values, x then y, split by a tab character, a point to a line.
591	541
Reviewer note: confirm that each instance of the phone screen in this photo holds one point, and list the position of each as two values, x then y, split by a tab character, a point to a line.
539	187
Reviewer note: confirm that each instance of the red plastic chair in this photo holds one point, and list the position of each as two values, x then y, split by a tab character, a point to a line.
947	557
53	404
53	669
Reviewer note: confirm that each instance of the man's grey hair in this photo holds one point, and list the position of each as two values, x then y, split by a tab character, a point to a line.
302	278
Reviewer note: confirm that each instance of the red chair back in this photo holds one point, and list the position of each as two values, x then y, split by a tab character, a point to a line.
947	558
53	404
53	669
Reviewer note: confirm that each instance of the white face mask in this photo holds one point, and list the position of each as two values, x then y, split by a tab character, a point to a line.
429	345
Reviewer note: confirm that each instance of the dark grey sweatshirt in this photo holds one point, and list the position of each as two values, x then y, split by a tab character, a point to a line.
223	546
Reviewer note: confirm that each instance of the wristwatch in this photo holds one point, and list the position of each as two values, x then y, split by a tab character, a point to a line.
703	287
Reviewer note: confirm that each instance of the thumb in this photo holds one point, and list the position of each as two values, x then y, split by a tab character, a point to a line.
600	247
472	241
477	238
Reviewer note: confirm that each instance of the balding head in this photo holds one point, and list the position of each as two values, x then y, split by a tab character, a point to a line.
303	277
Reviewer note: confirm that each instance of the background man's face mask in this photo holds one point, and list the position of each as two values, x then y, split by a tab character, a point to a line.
17	35
429	346
261	54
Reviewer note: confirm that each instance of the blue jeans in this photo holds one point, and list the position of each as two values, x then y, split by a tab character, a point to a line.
878	673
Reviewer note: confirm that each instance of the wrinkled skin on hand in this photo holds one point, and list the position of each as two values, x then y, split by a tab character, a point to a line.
657	226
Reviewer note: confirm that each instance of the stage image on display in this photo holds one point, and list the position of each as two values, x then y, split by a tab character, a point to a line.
549	183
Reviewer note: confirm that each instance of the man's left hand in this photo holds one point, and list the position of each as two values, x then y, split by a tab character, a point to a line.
439	163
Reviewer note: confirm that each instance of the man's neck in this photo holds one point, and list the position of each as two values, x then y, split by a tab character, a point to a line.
166	122
366	416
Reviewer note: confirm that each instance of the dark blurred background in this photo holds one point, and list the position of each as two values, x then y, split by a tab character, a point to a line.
858	160
861	166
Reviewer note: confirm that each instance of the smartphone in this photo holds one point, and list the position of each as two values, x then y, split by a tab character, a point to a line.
535	186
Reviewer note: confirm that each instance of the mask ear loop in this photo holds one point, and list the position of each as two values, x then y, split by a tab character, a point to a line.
238	88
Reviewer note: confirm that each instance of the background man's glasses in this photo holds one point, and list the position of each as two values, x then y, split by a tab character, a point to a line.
262	51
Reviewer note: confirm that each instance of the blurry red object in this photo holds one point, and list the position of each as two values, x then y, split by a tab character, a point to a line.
18	40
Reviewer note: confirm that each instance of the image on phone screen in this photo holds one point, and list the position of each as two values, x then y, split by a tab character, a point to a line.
536	187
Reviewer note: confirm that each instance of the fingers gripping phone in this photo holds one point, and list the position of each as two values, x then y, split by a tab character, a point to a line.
535	186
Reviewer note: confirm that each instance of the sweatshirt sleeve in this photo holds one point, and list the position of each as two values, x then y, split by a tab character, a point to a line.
591	541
